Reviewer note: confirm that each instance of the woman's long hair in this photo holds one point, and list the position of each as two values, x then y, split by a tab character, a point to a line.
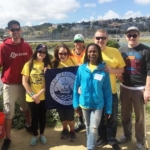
99	59
46	60
56	60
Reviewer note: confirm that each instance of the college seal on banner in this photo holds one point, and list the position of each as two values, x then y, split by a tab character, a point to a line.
61	88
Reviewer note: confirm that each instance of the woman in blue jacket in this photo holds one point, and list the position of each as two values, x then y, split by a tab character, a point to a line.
95	92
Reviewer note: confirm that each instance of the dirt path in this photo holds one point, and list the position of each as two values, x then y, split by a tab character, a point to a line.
21	140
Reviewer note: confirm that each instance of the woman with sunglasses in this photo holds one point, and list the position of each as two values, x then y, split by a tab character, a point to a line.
62	58
34	84
95	92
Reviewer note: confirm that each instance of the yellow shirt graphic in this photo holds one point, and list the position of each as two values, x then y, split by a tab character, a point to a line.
37	80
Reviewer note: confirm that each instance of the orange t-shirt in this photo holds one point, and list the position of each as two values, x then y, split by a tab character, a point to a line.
79	58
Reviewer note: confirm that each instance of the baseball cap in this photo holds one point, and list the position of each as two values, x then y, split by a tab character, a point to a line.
132	28
40	47
79	37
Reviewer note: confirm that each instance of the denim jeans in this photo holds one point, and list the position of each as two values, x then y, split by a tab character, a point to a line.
102	129
92	119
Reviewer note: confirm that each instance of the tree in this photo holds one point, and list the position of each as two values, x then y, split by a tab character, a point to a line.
59	27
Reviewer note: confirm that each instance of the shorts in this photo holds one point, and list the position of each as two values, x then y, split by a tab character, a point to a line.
12	93
66	114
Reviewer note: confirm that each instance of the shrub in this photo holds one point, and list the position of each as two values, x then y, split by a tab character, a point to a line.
113	43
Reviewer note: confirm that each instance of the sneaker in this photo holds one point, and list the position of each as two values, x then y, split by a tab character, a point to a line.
100	143
116	147
29	129
123	139
6	144
33	141
43	139
64	134
72	136
139	146
79	127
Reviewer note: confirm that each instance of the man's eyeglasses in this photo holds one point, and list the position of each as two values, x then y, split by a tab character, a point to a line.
65	54
130	35
100	37
14	29
78	41
42	52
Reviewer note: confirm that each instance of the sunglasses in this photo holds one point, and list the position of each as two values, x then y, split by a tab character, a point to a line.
100	37
130	35
14	29
78	41
65	54
42	52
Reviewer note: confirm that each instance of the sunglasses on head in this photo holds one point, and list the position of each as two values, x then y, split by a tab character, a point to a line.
14	29
99	37
78	41
42	52
65	54
130	35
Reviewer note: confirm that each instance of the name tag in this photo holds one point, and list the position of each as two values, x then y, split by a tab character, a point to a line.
98	77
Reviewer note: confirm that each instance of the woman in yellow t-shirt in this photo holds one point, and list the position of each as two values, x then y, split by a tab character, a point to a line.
34	82
62	59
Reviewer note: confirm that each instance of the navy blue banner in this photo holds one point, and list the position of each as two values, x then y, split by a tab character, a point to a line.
59	87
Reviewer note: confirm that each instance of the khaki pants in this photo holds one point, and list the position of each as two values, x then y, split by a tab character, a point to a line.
12	93
132	99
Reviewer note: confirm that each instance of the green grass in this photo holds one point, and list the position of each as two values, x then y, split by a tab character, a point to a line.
52	45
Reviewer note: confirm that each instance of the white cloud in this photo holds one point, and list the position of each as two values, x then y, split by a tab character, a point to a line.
143	2
99	17
91	18
132	14
90	5
110	14
104	1
36	10
28	24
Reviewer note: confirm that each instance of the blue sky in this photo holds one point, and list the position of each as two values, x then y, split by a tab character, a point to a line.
34	12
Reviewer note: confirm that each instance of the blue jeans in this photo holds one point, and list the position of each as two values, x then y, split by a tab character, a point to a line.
102	129
92	120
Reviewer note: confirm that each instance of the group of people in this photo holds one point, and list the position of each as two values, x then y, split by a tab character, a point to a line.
95	97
